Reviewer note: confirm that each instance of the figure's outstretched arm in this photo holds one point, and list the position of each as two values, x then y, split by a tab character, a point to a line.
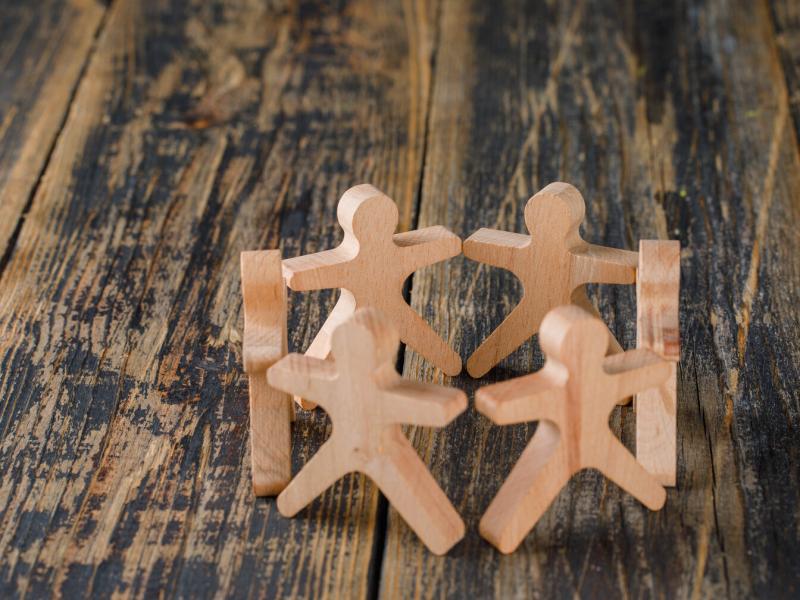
636	370
517	327
534	482
623	469
424	404
417	333
303	376
494	247
413	492
598	264
318	474
534	397
320	271
427	246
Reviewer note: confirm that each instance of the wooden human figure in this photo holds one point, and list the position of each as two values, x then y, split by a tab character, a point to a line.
572	397
370	266
367	402
553	263
658	329
264	299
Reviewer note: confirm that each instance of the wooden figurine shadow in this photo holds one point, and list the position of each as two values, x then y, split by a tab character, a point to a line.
553	263
371	266
572	397
264	299
367	402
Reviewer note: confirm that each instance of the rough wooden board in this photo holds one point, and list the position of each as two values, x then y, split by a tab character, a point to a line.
197	131
786	28
673	120
43	49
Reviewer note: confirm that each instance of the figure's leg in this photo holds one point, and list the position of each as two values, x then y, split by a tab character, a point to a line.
417	333
318	474
321	346
534	482
518	326
413	492
623	469
579	298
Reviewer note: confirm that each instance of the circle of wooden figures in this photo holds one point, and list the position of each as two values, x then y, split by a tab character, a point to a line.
348	369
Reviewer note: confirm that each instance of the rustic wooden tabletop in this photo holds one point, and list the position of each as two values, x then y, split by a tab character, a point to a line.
144	144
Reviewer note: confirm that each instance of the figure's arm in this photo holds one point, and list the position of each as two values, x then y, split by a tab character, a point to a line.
598	264
636	370
427	246
425	404
495	248
302	376
535	397
323	270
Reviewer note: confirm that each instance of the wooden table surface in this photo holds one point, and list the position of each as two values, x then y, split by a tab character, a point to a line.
144	144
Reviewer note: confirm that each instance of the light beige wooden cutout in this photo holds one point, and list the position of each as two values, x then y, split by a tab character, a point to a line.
371	266
658	329
264	294
553	263
367	401
572	397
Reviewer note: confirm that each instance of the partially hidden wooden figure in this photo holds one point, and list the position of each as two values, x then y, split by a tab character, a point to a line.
271	411
371	266
572	397
553	263
367	401
658	283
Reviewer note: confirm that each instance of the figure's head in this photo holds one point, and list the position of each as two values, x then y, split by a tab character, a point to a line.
364	211
367	337
573	337
557	210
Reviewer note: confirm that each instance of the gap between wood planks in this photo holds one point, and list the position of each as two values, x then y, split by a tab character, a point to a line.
375	568
12	241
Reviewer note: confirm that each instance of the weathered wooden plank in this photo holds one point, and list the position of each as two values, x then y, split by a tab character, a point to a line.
786	24
43	48
673	120
198	131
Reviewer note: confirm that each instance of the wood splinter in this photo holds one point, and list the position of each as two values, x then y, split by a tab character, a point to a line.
271	411
572	397
367	401
658	329
371	266
553	263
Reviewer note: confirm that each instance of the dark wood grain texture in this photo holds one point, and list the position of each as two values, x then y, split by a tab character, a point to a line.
143	145
43	50
197	131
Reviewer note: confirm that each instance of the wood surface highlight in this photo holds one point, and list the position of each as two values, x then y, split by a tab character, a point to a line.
553	263
572	397
271	411
367	402
658	281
